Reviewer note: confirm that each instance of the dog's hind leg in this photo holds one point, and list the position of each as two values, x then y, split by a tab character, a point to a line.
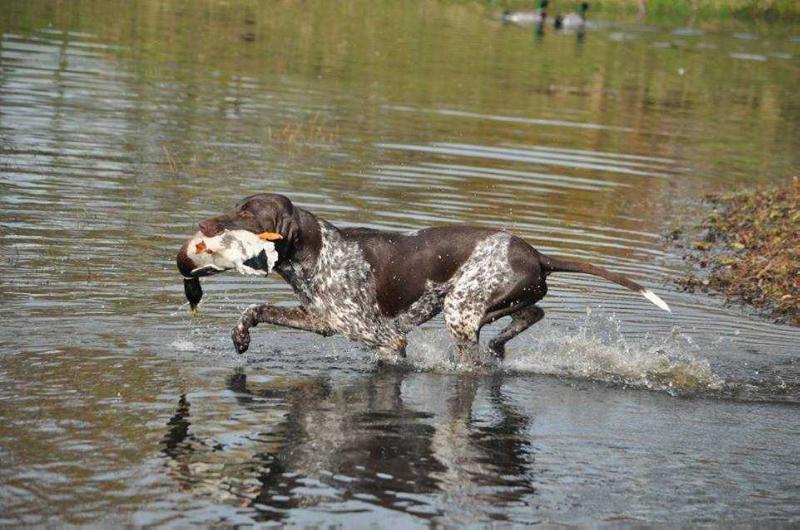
290	317
463	319
466	348
521	319
391	351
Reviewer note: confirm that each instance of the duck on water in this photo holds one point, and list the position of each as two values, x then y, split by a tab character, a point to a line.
575	21
572	21
527	17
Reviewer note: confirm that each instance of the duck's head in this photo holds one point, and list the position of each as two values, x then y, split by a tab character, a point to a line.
583	7
241	250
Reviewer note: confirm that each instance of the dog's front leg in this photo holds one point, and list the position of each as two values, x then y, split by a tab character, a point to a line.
290	317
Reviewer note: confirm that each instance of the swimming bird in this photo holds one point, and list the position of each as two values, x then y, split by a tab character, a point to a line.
527	18
572	21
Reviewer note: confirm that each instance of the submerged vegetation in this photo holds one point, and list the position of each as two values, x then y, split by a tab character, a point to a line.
751	248
303	132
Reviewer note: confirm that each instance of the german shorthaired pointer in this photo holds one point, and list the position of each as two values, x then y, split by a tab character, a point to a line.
374	286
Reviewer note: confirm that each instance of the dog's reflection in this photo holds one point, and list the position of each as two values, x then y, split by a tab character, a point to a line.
405	441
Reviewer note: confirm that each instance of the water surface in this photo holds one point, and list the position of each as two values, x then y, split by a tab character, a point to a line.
123	124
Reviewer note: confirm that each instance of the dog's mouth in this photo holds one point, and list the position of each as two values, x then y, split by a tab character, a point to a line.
244	251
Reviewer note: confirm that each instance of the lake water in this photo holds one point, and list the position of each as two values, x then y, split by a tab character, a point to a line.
122	124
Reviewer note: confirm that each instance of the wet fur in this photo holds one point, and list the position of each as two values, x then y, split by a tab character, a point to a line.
374	286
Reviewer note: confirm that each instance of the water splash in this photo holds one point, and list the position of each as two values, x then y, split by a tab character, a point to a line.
183	345
596	349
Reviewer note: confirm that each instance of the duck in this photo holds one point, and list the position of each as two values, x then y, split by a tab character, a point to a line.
572	21
239	250
527	18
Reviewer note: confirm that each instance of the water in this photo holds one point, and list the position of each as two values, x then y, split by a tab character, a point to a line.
123	124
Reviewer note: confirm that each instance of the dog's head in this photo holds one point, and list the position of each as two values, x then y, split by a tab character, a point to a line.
269	215
272	217
264	212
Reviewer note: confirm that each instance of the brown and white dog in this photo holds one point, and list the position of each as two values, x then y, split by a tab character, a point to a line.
373	286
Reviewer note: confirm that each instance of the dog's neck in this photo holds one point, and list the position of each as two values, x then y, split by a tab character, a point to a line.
305	250
299	263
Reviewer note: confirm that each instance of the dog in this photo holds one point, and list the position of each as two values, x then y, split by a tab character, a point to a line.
374	286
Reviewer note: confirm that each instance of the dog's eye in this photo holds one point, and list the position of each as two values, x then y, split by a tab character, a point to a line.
245	214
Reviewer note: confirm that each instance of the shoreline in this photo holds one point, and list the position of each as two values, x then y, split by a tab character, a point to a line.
747	248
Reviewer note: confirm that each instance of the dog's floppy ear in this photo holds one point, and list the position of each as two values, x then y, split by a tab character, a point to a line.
272	217
288	226
283	224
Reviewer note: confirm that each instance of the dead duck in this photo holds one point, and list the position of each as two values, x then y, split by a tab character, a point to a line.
527	18
239	250
572	21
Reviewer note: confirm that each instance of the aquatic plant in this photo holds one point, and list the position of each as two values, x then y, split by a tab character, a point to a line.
311	131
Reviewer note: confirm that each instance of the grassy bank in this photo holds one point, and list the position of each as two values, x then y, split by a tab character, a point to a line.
751	250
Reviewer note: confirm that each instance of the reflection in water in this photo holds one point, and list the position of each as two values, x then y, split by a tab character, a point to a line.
178	431
120	128
360	443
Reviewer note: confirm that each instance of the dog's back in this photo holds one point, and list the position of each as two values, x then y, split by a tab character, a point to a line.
403	263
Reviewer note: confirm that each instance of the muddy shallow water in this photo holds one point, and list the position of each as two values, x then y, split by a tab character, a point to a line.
122	125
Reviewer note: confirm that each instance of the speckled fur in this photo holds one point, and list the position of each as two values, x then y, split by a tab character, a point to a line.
466	303
340	293
339	296
344	295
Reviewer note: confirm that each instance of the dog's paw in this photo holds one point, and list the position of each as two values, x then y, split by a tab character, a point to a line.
241	338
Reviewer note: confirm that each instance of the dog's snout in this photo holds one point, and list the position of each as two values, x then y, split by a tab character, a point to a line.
209	227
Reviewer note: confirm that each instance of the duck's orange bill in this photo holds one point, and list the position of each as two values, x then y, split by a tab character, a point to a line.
200	247
270	236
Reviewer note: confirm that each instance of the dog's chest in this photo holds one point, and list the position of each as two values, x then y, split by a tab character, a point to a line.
340	288
342	278
296	276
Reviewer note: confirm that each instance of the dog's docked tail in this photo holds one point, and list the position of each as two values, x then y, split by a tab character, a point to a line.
556	265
